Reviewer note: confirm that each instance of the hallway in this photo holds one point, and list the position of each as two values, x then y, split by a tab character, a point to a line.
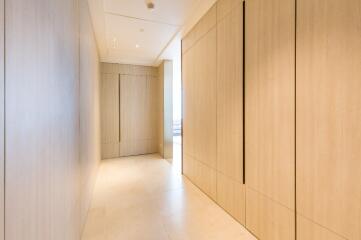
146	198
180	120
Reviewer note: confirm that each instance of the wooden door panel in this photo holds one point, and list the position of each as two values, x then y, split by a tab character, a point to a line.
199	99
139	115
205	100
268	219
270	118
230	187
230	93
328	116
110	115
308	230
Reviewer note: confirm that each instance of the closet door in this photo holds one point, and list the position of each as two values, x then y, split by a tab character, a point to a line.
270	118
329	120
230	188
139	114
200	116
110	115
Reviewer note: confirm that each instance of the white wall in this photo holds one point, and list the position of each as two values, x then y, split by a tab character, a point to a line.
52	119
89	108
42	120
2	45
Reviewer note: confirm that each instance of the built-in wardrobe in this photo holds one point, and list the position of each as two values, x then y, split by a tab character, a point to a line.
129	110
272	112
136	113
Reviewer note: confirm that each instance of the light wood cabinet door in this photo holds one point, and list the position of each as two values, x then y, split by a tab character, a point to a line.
110	115
205	118
200	103
270	118
139	114
329	119
230	188
188	68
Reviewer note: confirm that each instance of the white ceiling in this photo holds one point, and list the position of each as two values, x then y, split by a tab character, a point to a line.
121	25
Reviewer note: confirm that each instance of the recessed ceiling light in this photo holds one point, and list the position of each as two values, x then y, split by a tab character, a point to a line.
150	5
137	46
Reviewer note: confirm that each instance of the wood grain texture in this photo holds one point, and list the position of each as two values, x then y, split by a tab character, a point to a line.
205	120
139	110
199	120
2	116
328	117
188	98
230	95
307	230
205	24
161	110
90	138
268	219
201	175
231	196
270	99
230	188
139	115
110	115
270	117
42	120
167	116
225	7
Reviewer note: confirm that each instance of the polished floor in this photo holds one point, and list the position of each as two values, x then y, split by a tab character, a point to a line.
146	198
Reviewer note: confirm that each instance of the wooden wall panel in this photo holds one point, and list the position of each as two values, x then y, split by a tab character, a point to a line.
205	129
328	118
225	8
201	175
205	24
110	115
133	107
230	95
139	110
200	128
42	120
230	190
308	230
90	138
270	117
231	196
161	109
166	109
153	113
188	73
213	114
139	115
267	219
188	80
328	73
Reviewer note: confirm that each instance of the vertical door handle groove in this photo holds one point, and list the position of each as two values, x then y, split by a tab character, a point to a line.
244	90
119	108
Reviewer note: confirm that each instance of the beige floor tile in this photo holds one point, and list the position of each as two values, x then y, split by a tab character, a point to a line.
146	198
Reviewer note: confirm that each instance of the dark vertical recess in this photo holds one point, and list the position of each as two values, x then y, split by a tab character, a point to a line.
295	119
119	108
244	91
182	107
